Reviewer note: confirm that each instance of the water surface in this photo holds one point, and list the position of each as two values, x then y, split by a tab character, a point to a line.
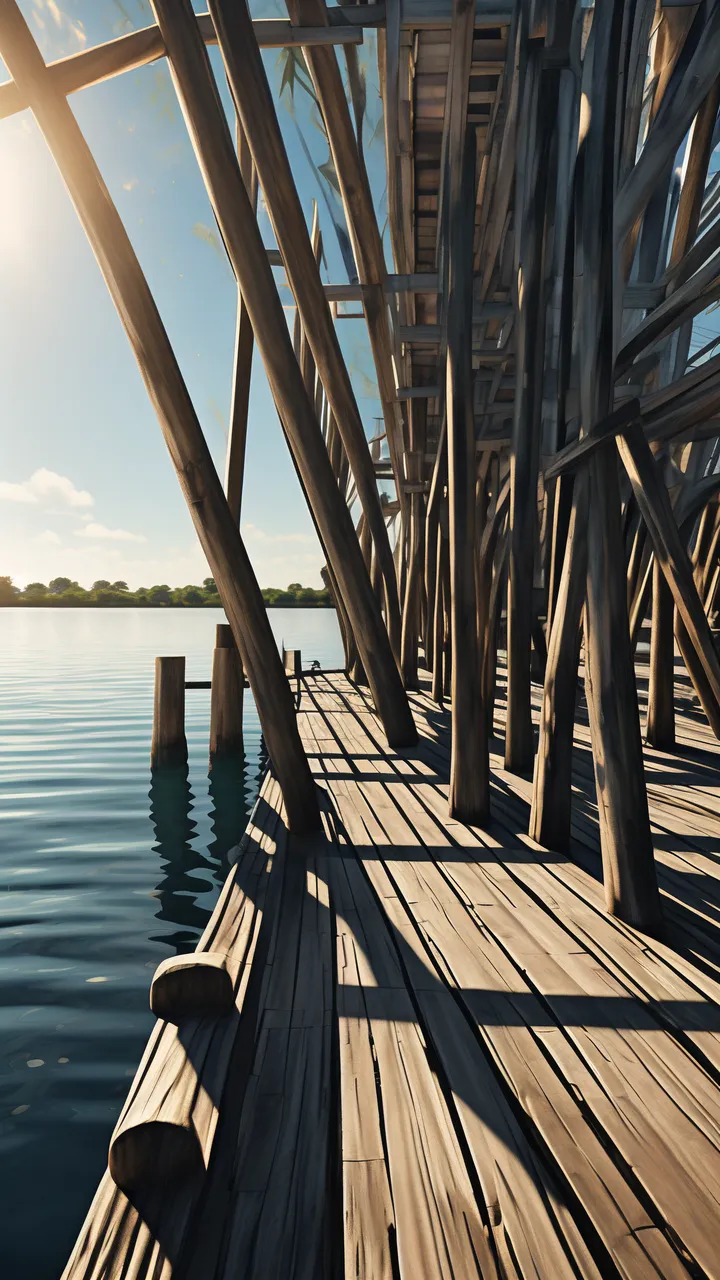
102	875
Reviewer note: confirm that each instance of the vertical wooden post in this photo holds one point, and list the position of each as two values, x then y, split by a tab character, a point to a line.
539	96
438	618
552	782
660	731
413	586
218	533
169	744
627	852
226	696
469	768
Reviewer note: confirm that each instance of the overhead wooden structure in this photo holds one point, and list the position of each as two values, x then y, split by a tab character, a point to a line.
550	420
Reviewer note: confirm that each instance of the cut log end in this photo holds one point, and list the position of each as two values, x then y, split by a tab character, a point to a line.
154	1154
192	986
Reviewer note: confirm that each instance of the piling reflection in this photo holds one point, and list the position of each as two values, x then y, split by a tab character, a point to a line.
230	809
171	805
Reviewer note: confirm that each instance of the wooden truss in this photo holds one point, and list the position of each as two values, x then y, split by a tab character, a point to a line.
551	431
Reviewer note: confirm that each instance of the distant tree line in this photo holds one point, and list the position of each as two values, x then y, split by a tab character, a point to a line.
63	592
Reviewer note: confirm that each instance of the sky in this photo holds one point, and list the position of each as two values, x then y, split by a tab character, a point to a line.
87	489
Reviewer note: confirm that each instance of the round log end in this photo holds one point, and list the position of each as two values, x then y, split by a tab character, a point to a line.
192	986
154	1154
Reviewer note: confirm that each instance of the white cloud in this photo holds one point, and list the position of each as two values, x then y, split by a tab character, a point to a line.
45	485
251	533
94	530
48	538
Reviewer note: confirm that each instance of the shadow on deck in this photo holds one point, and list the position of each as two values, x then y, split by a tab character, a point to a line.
445	1060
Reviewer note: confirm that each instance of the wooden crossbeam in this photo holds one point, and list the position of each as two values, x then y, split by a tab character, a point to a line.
138	48
580	451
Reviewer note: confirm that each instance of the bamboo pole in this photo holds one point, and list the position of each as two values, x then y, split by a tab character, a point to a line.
215	527
211	140
256	109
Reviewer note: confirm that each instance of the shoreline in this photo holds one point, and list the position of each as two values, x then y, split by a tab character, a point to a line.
137	604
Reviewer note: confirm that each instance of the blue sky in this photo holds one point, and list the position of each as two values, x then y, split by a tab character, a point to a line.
86	485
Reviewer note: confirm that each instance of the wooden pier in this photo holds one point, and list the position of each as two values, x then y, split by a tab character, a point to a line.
473	931
445	1058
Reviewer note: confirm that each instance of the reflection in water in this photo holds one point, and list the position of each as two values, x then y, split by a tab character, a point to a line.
229	812
188	873
170	808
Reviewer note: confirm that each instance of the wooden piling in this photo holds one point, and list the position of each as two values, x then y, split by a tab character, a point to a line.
169	744
469	768
226	697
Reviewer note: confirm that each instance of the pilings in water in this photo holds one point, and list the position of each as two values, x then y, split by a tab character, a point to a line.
226	697
169	744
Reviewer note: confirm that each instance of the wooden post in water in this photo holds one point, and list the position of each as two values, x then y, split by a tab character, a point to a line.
169	744
226	696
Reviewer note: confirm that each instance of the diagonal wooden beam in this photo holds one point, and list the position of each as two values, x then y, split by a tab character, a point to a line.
138	48
256	109
653	500
210	136
218	534
361	221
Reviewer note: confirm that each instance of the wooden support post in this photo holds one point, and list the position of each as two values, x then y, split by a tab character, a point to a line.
660	731
256	109
653	500
438	618
413	586
226	697
627	852
215	527
469	768
550	814
532	166
432	538
213	146
169	745
242	370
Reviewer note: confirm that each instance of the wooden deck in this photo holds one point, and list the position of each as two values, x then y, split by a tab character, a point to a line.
447	1060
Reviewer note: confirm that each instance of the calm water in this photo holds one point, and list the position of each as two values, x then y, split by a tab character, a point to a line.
101	877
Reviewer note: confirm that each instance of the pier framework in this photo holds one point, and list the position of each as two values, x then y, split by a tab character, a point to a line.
448	1047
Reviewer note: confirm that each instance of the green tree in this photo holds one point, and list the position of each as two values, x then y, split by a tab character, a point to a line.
160	594
119	586
296	588
8	593
35	589
58	585
193	595
209	585
102	584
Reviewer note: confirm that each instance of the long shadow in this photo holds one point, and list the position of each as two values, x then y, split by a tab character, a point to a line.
489	1007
